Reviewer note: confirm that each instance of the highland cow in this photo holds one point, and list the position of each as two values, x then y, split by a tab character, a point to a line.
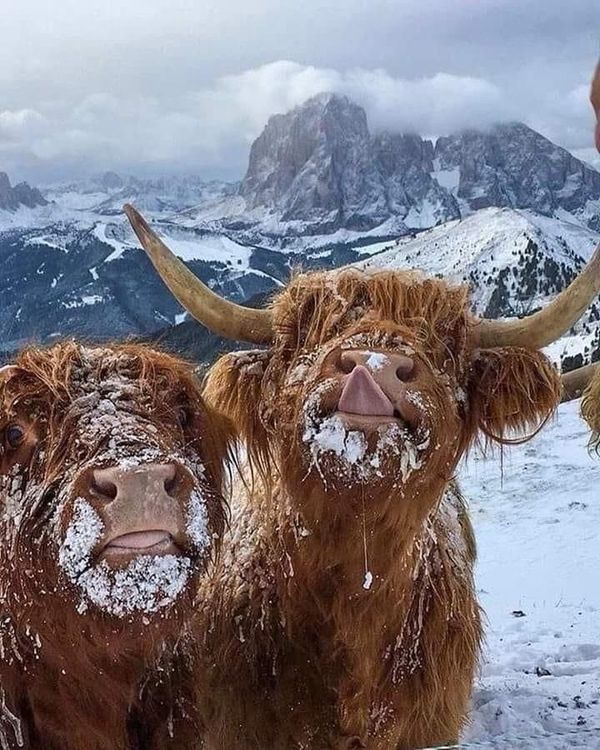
584	382
343	613
590	407
110	477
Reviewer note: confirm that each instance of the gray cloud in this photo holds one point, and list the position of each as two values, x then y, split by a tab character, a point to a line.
175	85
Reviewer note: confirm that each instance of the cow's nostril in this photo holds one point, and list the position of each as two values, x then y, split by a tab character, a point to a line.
347	363
404	370
103	487
171	479
171	485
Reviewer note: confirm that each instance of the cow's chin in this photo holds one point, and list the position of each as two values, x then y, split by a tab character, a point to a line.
135	585
345	450
130	573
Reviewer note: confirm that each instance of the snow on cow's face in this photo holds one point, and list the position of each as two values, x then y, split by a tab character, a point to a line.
371	410
110	476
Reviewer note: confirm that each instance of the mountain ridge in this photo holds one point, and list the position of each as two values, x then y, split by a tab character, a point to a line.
320	191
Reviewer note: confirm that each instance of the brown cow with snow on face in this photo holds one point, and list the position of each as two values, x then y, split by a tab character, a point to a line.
110	481
344	613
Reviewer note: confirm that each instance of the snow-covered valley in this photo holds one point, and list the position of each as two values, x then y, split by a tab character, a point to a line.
536	511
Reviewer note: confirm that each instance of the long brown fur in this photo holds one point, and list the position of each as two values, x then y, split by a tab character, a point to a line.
84	680
590	410
301	652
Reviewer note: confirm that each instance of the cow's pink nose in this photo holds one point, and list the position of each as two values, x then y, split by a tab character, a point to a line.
384	366
139	481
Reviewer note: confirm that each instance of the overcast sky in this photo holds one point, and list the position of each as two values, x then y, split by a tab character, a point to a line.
183	86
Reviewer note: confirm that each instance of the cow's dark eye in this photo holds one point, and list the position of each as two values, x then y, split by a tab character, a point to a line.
183	416
14	435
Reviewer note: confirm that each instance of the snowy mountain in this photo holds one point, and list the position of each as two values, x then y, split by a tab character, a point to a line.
318	170
319	166
506	210
105	194
512	165
515	262
21	195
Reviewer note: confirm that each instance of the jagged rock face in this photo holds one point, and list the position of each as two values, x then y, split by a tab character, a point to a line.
19	195
405	163
315	163
319	163
512	165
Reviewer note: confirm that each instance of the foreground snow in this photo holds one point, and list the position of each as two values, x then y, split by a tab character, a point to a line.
537	519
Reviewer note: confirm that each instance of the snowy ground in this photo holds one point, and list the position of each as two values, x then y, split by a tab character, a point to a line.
538	529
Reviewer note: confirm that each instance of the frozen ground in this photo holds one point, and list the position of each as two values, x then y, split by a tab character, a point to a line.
538	529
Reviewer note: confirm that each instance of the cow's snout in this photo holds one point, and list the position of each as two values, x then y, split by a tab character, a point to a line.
376	384
143	508
115	482
386	367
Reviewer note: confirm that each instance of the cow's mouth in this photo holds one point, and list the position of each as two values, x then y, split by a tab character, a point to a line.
368	422
147	542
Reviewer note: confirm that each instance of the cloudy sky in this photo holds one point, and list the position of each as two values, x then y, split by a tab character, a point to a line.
169	86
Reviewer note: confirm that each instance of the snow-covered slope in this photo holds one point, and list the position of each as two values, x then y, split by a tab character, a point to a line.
515	262
106	194
537	520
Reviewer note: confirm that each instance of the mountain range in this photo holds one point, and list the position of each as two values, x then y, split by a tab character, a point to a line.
504	209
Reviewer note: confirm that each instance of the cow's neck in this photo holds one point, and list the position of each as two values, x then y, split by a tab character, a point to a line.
103	681
350	566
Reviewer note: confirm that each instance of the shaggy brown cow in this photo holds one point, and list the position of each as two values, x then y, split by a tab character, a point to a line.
586	380
344	613
590	407
110	478
584	383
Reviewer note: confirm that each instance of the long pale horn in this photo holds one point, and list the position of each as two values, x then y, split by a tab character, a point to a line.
575	382
221	316
547	325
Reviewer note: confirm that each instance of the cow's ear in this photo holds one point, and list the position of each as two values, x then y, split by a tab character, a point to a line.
7	372
233	386
590	409
512	393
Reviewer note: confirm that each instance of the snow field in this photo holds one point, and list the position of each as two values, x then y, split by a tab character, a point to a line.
537	520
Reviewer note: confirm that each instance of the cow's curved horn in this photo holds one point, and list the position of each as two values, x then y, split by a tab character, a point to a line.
547	325
219	315
575	382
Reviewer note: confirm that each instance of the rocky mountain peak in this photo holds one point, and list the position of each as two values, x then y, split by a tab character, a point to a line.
319	164
512	165
19	195
304	164
317	169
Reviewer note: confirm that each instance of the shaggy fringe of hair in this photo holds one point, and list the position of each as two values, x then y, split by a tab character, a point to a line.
590	409
316	307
